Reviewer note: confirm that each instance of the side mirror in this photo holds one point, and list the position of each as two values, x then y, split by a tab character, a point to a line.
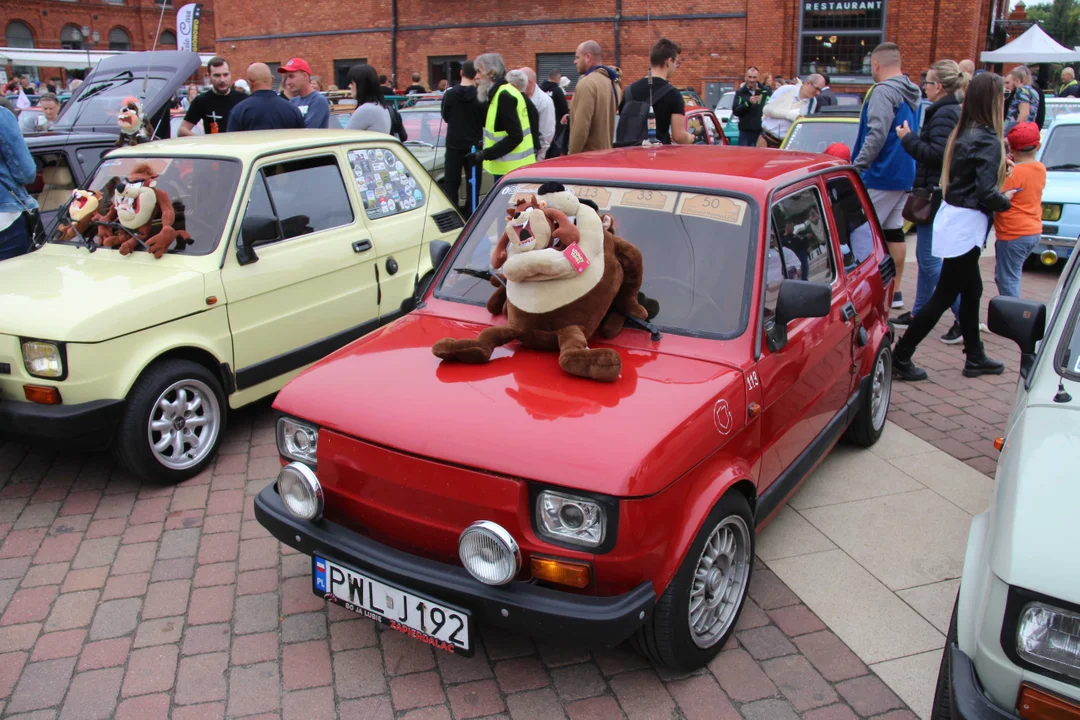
1022	321
254	230
438	249
797	299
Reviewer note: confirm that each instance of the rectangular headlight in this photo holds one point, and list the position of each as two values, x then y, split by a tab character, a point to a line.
1050	638
1051	212
570	519
42	359
297	440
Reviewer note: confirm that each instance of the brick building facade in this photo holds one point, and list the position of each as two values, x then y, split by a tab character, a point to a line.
719	37
118	25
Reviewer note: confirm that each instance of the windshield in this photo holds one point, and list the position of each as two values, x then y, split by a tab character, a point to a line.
1063	148
425	127
727	101
816	136
201	191
698	253
1061	107
99	104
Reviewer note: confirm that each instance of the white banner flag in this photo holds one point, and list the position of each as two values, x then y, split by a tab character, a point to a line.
187	27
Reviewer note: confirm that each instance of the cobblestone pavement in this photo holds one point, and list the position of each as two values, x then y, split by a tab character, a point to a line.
960	415
139	601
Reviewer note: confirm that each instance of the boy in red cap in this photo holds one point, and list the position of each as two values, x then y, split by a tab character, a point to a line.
1018	229
311	103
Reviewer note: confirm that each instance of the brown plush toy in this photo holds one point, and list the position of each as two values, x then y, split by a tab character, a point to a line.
137	204
83	210
563	280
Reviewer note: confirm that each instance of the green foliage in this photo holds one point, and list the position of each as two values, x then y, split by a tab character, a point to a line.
1060	19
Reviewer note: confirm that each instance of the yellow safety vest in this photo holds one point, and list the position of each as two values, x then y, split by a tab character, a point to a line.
522	155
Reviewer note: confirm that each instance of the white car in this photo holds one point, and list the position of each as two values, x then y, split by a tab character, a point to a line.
1013	647
724	107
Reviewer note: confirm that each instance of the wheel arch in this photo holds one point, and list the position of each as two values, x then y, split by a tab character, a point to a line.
197	354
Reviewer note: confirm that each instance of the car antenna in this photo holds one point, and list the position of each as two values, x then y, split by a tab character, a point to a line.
427	217
1062	395
149	64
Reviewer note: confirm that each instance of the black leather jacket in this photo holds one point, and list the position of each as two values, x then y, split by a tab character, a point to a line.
974	170
928	147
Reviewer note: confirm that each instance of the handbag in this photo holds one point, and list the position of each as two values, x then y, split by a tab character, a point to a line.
919	207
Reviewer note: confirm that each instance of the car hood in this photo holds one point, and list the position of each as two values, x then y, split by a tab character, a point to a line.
520	415
1062	186
1034	528
55	295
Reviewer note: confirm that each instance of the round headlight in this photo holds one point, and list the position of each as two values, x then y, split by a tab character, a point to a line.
489	553
300	491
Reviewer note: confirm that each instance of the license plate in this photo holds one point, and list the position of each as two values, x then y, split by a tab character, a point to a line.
429	621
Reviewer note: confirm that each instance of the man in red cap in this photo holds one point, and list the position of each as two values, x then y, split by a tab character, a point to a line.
1019	228
311	103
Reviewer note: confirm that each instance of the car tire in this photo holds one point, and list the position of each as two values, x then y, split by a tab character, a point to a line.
869	422
153	415
669	636
942	708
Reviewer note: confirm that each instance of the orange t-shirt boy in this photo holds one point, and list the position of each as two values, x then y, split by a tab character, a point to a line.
1024	218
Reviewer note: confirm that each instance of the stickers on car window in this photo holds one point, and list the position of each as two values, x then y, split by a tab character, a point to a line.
652	199
600	196
724	209
386	186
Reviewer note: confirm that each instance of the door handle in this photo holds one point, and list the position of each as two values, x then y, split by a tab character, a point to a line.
361	246
848	312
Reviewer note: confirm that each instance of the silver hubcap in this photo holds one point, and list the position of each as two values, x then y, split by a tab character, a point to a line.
719	582
184	424
880	390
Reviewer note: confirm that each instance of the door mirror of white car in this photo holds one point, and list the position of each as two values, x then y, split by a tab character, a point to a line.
1022	321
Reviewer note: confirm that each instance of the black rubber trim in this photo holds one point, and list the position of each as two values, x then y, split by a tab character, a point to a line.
228	379
286	362
775	495
611	511
968	701
1017	599
93	420
521	606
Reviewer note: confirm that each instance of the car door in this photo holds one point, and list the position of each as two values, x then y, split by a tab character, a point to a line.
313	287
806	382
52	186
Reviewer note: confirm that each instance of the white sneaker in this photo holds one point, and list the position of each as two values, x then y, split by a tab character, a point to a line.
897	300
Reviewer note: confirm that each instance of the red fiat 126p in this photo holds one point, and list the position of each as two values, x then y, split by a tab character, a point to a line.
436	496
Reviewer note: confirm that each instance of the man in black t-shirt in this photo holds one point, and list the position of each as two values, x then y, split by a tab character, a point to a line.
212	108
667	101
416	88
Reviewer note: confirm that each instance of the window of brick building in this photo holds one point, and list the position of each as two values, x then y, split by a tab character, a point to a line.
167	39
563	62
19	35
71	38
446	68
837	36
341	71
119	39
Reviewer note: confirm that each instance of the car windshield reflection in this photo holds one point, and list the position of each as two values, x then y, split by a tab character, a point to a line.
816	136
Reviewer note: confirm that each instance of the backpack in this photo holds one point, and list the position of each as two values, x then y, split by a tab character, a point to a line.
633	127
397	127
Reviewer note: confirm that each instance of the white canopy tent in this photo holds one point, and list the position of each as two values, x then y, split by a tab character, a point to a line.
1034	46
69	59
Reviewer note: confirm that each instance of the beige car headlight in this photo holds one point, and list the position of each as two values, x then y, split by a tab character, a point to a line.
43	359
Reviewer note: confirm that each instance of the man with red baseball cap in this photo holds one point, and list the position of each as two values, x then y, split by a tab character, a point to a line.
1019	229
311	103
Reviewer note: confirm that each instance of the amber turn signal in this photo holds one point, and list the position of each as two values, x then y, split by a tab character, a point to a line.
561	572
999	443
1037	704
42	394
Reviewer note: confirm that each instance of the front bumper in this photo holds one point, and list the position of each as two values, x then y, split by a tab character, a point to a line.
91	423
968	701
1062	245
519	606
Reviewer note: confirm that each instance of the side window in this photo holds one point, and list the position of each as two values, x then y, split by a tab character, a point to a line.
53	184
780	263
798	221
300	197
852	226
712	130
386	186
90	157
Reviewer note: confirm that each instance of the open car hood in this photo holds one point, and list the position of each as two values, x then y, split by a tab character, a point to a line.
166	71
520	415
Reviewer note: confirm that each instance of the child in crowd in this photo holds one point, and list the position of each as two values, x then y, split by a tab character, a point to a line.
1018	228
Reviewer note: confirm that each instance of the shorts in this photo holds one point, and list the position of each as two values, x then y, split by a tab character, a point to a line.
889	206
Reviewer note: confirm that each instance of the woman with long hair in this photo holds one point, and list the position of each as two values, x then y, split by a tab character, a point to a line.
944	85
973	170
371	112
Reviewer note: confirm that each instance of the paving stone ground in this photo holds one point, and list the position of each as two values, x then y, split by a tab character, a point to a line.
130	600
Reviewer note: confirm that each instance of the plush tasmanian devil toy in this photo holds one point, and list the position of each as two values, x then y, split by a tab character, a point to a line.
82	210
130	120
137	204
563	279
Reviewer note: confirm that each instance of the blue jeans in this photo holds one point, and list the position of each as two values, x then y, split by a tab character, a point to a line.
14	239
929	269
748	138
1011	255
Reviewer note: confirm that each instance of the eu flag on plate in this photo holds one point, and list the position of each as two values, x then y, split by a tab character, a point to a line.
320	574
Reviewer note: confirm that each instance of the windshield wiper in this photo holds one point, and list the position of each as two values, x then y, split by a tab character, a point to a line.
1065	166
481	274
419	142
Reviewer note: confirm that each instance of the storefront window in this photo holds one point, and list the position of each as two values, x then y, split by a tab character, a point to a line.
839	35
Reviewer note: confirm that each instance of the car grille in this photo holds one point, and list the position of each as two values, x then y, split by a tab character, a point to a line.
887	268
447	220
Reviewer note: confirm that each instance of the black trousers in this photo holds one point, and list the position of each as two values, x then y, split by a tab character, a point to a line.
959	276
455	162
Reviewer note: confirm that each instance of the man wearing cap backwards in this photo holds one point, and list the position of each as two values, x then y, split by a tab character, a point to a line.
311	103
213	108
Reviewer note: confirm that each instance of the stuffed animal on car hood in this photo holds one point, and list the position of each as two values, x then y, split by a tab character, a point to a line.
565	276
137	205
83	210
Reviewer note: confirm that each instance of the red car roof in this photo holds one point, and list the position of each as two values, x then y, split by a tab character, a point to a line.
721	167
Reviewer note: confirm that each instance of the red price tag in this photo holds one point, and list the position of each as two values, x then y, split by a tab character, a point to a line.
576	257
